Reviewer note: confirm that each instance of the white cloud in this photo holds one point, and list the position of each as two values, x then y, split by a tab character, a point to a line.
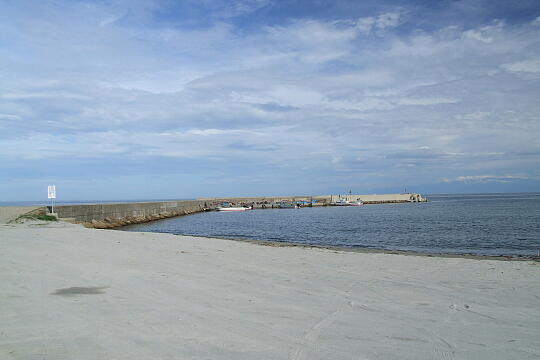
478	35
527	66
365	24
484	178
43	95
485	34
232	8
388	20
283	95
383	21
210	132
475	116
427	101
310	41
9	117
108	20
364	104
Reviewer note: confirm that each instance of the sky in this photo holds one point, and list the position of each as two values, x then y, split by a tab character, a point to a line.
163	99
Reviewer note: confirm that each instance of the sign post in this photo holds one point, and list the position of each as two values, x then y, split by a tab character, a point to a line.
51	193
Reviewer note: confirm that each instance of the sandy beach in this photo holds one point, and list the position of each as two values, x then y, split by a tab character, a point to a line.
74	293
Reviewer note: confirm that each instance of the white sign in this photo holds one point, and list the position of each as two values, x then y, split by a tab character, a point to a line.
51	192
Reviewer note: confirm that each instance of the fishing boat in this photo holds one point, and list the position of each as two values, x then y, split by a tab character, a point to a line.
340	202
233	208
343	202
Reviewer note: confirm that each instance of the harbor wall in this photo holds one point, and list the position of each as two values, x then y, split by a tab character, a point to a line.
105	216
324	199
383	198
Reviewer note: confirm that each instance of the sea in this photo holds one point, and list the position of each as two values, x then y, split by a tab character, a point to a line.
474	224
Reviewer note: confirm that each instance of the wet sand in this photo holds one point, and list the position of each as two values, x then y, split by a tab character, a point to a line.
74	293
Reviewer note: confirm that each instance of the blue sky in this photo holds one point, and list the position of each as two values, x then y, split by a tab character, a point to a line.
179	99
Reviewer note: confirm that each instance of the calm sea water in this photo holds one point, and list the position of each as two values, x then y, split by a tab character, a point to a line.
494	224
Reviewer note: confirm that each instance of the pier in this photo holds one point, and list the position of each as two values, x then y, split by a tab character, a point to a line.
318	200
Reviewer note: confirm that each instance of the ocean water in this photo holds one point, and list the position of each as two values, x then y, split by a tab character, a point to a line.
486	224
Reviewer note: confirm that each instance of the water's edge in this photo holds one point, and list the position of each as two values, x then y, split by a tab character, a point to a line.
361	249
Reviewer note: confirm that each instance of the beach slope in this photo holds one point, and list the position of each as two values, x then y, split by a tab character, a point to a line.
74	293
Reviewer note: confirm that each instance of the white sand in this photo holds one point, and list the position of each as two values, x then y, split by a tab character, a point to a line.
159	296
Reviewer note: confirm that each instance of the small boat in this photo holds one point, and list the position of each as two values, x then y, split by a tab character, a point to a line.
340	202
343	202
232	208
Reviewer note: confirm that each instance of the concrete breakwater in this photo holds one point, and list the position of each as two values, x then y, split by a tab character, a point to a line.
383	198
320	200
106	216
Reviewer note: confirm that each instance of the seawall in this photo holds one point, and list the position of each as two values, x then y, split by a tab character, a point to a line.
383	198
323	199
105	216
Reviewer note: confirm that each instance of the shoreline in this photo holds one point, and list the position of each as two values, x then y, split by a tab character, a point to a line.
356	249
